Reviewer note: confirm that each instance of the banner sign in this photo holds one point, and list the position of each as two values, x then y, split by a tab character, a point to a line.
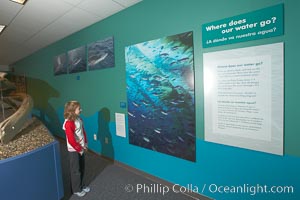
264	23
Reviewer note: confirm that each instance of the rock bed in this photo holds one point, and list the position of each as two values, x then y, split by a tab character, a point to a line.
33	135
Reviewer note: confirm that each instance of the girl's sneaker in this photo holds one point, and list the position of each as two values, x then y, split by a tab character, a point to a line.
86	189
80	194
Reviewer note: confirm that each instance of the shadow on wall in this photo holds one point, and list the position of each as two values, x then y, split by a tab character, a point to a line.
41	92
104	133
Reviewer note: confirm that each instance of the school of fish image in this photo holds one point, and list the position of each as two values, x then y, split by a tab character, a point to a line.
160	94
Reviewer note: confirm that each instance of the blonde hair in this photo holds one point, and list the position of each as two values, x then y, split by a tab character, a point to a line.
70	107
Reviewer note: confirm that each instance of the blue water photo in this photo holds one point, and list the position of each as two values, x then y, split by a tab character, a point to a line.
77	60
101	54
160	94
60	64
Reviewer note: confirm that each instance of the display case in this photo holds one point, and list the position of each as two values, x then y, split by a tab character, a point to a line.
34	175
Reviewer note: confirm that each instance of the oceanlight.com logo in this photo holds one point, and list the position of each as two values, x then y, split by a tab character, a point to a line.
160	189
249	189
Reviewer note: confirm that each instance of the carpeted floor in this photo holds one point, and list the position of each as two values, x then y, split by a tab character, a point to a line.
95	164
112	181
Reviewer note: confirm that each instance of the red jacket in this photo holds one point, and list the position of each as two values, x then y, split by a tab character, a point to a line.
76	135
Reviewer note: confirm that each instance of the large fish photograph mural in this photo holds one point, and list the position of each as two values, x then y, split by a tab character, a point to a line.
160	95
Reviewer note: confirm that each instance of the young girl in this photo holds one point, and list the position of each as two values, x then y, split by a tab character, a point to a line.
77	144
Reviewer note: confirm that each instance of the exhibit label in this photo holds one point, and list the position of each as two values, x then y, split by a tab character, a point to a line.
243	97
264	23
120	124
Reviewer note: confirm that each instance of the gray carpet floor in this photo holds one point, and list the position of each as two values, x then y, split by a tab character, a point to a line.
112	181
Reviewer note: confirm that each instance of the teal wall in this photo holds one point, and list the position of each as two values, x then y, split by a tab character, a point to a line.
101	92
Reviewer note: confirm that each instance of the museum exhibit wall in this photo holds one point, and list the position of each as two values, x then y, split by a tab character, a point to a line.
102	92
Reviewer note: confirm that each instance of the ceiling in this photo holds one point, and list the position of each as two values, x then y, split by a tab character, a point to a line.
42	22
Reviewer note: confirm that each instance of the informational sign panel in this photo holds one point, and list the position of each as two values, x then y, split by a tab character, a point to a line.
244	97
120	124
264	23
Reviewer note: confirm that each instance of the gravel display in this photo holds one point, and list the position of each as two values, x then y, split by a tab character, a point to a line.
32	136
